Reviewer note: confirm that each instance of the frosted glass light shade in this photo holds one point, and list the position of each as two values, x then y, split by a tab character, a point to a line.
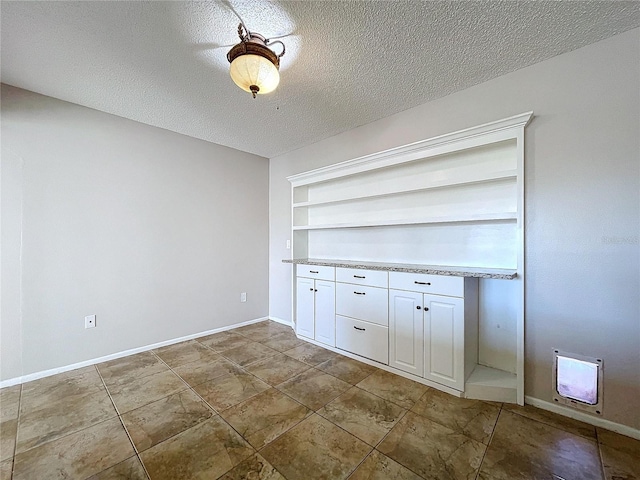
247	70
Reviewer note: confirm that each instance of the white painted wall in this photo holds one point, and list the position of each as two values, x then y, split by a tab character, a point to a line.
582	204
154	232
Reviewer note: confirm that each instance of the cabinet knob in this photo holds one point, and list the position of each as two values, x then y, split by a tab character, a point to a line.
426	309
418	307
312	271
357	328
422	283
316	290
358	276
311	289
360	293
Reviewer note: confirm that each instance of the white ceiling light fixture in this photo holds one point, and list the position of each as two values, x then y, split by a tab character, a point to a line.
254	66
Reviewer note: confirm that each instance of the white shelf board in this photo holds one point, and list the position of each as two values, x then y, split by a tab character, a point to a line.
488	383
480	217
506	174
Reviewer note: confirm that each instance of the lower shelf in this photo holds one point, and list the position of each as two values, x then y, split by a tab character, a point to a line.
486	383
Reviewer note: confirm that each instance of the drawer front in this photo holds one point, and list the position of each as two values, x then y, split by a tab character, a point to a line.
364	303
363	338
314	271
372	278
422	282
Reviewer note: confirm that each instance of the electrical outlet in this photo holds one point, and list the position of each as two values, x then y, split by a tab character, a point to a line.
90	321
288	244
243	297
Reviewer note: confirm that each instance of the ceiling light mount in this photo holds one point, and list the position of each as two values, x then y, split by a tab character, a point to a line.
254	66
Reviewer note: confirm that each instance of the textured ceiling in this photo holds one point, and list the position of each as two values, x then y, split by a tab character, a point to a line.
347	63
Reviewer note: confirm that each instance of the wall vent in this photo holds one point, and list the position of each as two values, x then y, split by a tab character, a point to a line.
577	381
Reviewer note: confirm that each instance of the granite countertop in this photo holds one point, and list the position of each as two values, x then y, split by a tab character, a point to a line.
476	272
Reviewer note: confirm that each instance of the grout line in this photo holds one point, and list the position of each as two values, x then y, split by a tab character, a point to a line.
493	431
126	430
15	443
604	473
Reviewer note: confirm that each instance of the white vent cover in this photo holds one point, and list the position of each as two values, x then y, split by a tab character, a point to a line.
577	381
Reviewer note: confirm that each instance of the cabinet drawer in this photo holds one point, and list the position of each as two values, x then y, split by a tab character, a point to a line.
363	338
364	303
315	271
422	282
372	278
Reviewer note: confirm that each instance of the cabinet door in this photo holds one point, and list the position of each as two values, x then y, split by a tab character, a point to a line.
444	340
325	312
305	296
405	331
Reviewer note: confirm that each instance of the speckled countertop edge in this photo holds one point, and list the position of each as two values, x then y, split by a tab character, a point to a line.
495	273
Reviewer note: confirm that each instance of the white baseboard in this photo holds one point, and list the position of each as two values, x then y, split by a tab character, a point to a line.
281	320
583	417
53	371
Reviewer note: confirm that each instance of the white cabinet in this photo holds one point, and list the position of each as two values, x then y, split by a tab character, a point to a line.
406	331
431	335
325	312
316	309
363	338
305	307
362	317
363	302
444	340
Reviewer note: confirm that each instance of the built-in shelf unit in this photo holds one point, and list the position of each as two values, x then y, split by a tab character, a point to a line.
456	200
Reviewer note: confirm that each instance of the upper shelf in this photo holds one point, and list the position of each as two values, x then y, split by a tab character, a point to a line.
463	218
475	272
476	179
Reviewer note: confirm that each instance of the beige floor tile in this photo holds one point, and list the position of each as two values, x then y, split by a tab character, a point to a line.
315	449
363	414
253	468
397	389
9	402
559	421
6	468
380	467
185	352
311	354
314	388
283	341
61	418
474	418
347	369
201	371
205	451
224	341
262	330
130	469
62	387
230	389
248	354
8	430
78	455
432	450
142	391
620	455
275	370
127	369
264	417
157	421
524	449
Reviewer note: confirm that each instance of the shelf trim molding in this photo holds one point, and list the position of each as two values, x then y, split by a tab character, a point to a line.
499	130
494	177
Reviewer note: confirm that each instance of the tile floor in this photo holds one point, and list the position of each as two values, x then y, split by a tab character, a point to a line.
258	403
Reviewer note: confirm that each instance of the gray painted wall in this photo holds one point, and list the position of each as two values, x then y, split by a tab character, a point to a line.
154	232
582	204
